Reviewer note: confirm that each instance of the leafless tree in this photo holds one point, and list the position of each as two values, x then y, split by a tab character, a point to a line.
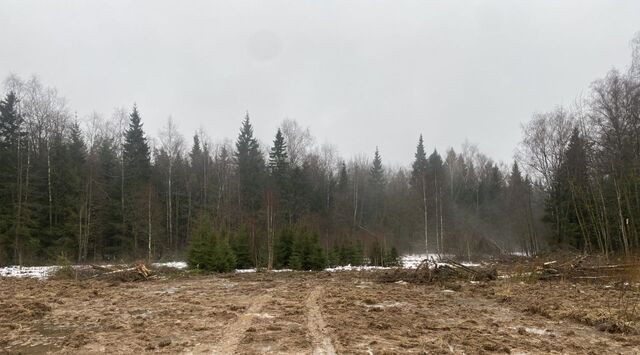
172	144
545	139
299	141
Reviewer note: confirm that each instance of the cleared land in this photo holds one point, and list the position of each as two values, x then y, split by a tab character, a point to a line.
319	313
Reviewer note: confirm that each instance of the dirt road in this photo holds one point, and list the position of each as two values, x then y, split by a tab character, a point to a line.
314	313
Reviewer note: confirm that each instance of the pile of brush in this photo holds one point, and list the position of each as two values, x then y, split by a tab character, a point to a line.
429	271
577	269
137	272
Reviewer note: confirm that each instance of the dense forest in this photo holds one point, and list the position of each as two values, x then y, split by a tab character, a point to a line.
103	189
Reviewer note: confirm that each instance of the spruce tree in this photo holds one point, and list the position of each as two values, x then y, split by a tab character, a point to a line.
376	190
317	258
419	166
11	152
70	177
137	177
196	175
278	156
136	151
210	250
279	168
250	165
224	260
376	173
419	181
107	220
284	248
10	121
343	179
241	248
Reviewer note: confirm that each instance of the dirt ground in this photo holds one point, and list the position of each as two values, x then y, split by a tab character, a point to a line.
319	313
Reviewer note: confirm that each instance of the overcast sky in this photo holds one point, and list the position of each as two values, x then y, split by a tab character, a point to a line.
358	73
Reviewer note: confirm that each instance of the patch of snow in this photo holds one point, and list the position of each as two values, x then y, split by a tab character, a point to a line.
536	331
383	305
281	270
172	264
39	272
261	315
168	290
412	261
356	268
470	264
244	271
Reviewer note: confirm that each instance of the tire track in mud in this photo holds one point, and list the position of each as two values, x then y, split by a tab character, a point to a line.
317	328
234	332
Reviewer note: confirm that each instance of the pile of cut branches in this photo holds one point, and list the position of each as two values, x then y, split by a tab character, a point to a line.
137	272
429	271
576	269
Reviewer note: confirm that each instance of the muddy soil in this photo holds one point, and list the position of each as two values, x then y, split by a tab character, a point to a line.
315	313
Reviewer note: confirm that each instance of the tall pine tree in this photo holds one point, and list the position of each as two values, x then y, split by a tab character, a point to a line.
10	178
418	182
136	173
250	163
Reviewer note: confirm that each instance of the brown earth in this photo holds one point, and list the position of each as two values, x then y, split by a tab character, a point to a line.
319	313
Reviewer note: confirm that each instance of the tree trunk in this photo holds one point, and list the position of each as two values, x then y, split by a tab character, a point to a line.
122	190
80	231
49	187
355	199
435	176
424	207
170	212
149	224
17	255
585	235
269	231
623	231
441	228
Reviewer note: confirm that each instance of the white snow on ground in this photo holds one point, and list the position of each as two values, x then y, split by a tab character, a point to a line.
355	268
173	264
244	271
44	272
39	272
537	331
410	261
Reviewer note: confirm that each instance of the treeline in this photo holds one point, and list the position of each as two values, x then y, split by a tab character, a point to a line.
587	161
103	189
99	189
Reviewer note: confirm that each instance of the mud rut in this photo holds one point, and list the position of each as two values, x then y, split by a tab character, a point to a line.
235	331
320	339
